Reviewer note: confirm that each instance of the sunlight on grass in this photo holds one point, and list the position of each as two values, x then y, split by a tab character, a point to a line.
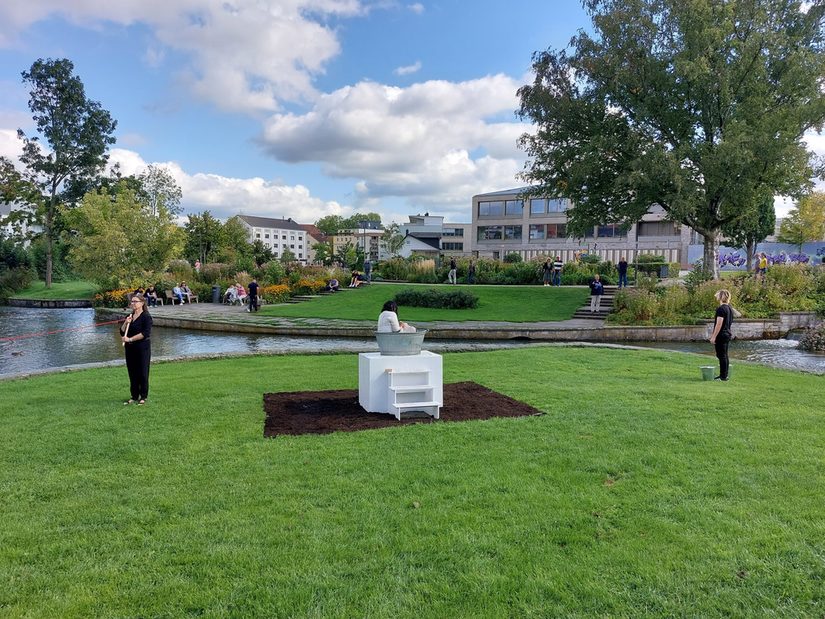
642	491
59	290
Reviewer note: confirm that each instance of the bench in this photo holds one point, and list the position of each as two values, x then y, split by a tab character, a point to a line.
171	297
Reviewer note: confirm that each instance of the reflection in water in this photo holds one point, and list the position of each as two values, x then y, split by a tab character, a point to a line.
80	342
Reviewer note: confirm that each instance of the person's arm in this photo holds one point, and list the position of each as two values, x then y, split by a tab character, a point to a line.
716	329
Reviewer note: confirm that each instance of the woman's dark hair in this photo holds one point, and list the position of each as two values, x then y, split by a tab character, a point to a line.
390	306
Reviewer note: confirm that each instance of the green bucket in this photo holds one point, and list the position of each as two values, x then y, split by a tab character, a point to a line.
708	371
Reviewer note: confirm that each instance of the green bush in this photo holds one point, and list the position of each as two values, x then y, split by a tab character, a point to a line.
12	280
649	263
181	270
273	272
214	271
431	297
513	257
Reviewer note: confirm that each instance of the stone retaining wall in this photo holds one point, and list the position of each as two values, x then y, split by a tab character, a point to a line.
51	303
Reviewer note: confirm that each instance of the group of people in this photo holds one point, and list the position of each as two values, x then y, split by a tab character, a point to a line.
236	293
180	291
551	272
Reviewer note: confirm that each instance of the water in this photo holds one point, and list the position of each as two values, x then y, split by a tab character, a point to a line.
82	343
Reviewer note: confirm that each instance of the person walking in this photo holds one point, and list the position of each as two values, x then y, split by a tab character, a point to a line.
452	276
721	335
557	266
596	292
622	272
368	270
471	273
547	272
134	333
253	296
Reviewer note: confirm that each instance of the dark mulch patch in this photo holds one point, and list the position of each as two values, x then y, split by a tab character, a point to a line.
320	412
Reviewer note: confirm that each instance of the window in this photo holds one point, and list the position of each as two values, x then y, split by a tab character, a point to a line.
536	232
491	209
292	246
274	254
257	235
537	206
608	231
291	237
556	206
657	228
557	231
514	207
512	233
453	232
284	237
266	236
452	246
490	233
300	246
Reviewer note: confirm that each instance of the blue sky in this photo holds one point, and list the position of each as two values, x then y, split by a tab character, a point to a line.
299	108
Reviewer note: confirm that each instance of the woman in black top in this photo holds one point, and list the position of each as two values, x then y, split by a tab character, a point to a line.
135	332
721	335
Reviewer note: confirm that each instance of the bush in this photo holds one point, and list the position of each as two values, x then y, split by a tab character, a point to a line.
214	271
430	297
12	280
273	272
113	298
697	276
308	286
513	257
649	263
813	340
181	270
278	293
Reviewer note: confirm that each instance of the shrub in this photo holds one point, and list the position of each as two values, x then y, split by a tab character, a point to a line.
697	276
634	307
112	298
813	340
430	297
513	257
213	271
12	280
649	263
308	286
277	293
273	272
181	270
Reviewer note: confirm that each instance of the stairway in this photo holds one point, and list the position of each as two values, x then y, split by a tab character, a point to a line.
605	308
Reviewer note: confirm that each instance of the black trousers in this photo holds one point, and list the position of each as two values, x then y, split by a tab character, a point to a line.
253	303
138	356
721	345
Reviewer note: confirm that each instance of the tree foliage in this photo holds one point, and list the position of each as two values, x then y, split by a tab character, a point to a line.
697	106
78	132
753	228
806	222
160	191
203	237
118	241
392	240
331	224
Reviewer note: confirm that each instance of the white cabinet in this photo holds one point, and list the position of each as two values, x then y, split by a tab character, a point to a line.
394	385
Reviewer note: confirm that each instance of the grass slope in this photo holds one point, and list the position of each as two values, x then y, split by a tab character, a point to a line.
642	492
496	303
59	290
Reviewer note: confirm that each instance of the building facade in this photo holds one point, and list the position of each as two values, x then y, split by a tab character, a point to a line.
505	222
429	235
278	235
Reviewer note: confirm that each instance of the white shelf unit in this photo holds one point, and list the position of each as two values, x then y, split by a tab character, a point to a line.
395	385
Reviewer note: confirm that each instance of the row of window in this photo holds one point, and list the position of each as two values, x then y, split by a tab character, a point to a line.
515	208
452	246
540	232
275	236
453	232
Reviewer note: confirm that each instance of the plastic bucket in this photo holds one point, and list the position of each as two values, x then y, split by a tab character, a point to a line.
707	371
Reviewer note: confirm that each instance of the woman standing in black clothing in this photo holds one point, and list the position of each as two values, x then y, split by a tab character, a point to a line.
721	335
135	332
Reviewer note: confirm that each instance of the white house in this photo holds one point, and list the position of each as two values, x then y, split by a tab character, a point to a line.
278	235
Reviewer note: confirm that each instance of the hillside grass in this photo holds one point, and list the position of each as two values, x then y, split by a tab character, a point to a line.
71	290
642	491
496	303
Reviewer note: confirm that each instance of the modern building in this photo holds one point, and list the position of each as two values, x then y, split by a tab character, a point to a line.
367	237
505	222
428	235
278	235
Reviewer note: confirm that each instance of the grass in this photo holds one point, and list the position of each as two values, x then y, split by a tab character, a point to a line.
642	492
496	303
60	290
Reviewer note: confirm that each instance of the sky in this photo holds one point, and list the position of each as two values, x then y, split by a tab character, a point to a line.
300	108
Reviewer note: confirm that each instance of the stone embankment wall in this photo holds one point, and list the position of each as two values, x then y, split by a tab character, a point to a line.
51	304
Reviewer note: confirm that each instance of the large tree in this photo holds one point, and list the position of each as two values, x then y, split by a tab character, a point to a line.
752	229
806	222
160	191
118	241
77	130
203	237
392	240
696	105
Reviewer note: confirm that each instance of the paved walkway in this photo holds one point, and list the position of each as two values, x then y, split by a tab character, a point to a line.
215	317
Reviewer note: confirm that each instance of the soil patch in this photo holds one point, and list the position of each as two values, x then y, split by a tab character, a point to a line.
321	412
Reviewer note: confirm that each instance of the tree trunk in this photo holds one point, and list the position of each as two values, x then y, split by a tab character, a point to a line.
750	250
710	258
49	247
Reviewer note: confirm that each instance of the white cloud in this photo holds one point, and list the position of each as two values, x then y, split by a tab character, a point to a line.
243	55
413	68
432	142
10	146
224	196
416	8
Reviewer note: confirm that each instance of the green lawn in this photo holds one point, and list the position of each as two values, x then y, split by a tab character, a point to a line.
496	303
59	290
643	491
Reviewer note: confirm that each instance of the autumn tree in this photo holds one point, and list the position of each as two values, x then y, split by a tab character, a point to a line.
77	132
806	222
698	106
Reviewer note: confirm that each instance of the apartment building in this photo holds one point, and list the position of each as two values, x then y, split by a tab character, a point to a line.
278	235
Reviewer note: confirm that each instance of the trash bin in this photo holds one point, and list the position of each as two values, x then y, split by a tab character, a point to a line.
663	271
707	371
216	294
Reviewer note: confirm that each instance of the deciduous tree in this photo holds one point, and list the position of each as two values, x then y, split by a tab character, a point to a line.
806	222
698	106
77	130
753	228
159	190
